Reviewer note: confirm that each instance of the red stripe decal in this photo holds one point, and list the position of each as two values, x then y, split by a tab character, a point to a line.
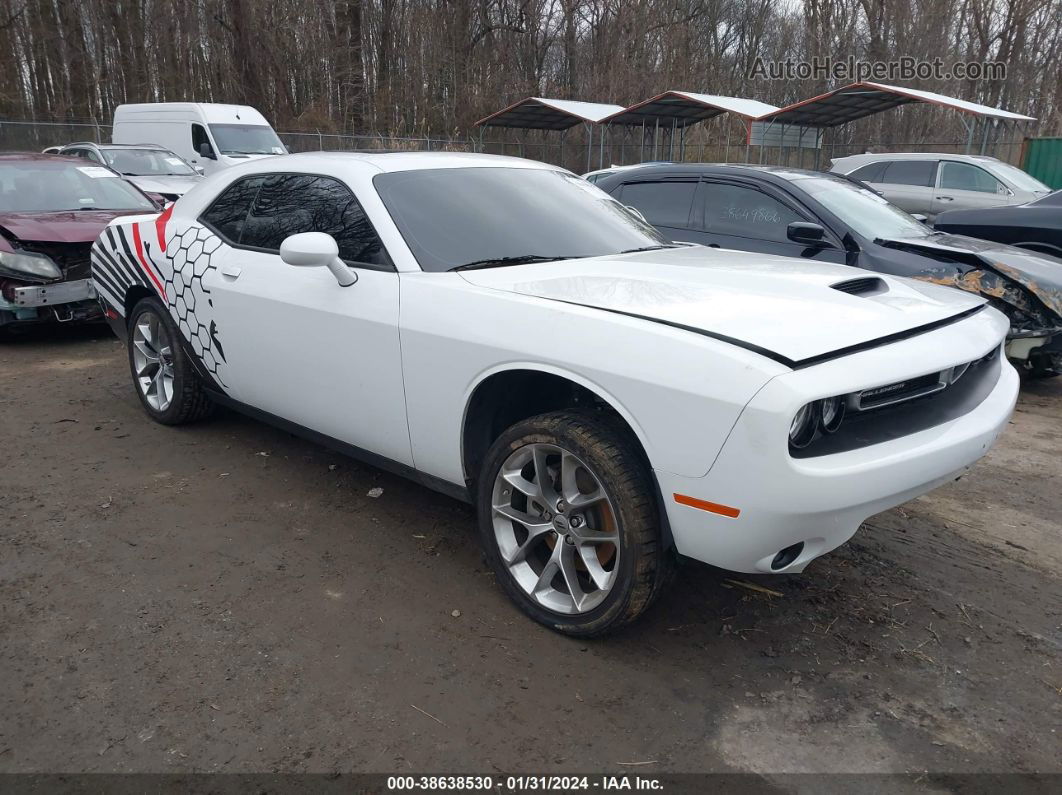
160	226
143	261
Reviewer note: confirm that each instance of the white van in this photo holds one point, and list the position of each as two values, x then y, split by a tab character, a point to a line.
207	135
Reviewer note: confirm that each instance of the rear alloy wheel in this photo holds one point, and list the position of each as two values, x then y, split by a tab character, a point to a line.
166	383
568	520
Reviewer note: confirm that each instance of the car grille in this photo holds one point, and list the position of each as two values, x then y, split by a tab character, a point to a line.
72	258
912	388
895	410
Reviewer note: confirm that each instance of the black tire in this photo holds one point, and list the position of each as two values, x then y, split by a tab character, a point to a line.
189	402
610	452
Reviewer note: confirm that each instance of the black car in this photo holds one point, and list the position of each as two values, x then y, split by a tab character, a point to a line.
811	215
1036	226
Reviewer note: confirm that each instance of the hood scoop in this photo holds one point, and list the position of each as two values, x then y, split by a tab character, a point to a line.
868	285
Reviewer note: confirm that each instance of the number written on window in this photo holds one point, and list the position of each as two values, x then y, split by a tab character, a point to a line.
745	212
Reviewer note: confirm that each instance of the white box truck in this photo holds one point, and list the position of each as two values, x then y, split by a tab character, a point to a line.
208	135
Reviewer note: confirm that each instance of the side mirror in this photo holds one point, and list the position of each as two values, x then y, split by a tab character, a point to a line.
919	217
316	250
207	151
807	234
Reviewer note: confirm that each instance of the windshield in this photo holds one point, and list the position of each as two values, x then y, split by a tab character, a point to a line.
247	139
1019	179
867	213
147	162
451	217
36	186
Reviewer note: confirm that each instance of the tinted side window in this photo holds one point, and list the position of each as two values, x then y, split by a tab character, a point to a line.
869	173
745	212
289	204
662	203
963	176
910	172
199	136
228	214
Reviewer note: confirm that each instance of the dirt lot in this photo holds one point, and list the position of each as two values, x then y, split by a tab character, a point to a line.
226	597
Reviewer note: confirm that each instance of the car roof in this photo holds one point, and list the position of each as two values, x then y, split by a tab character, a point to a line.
722	169
40	156
114	146
387	161
872	156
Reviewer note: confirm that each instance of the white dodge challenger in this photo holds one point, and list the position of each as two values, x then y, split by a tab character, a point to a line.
504	332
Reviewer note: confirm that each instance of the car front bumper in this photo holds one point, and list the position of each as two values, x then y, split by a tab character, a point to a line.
53	294
821	501
62	302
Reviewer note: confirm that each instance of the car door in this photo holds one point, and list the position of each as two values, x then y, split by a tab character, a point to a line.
665	203
297	344
908	184
749	217
964	186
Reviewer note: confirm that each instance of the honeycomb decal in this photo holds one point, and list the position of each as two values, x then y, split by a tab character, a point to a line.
190	254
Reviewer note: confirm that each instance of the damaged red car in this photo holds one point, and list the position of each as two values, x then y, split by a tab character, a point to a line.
51	210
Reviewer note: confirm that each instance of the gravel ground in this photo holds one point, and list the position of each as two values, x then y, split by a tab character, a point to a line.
226	597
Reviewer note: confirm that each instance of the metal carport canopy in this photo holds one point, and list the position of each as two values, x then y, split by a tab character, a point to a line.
684	108
855	101
537	113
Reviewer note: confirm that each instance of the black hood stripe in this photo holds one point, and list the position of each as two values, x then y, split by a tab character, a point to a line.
777	357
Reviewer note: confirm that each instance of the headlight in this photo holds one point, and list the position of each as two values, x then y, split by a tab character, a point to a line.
36	265
805	423
831	412
825	415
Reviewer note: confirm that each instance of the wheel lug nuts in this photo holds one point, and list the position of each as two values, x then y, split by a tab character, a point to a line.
577	521
547	515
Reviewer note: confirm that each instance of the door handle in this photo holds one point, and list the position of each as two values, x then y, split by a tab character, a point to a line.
231	271
946	198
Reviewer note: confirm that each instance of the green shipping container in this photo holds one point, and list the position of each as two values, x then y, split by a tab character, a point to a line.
1042	158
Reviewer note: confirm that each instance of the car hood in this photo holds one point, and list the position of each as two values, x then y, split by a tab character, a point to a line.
782	307
165	184
78	226
1040	274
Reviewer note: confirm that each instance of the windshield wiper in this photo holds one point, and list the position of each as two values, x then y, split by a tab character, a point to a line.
647	248
501	262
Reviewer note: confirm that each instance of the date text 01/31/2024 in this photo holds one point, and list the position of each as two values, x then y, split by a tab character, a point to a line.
522	783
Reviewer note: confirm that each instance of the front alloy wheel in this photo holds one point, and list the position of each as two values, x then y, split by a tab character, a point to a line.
568	518
555	528
165	379
153	361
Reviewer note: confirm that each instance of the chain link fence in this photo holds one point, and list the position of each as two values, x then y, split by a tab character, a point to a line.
574	151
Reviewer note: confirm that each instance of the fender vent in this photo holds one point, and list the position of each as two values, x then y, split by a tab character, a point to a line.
867	285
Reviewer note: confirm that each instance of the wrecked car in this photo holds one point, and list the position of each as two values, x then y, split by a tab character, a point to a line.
51	210
821	217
